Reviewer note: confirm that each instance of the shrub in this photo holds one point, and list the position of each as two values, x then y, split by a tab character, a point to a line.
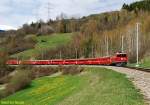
20	80
73	70
43	71
5	79
4	69
24	67
4	73
2	94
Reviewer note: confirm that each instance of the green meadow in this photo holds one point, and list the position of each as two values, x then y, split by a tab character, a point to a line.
94	86
45	43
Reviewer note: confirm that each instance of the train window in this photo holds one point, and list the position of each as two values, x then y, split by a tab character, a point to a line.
122	55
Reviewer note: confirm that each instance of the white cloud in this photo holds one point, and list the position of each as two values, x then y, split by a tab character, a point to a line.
5	27
18	12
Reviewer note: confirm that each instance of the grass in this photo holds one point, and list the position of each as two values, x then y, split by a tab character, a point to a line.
44	43
47	90
105	87
95	86
144	63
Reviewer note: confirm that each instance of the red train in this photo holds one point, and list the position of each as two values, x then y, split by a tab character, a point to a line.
120	59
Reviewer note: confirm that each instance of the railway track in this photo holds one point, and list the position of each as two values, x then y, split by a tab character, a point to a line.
140	69
140	77
135	68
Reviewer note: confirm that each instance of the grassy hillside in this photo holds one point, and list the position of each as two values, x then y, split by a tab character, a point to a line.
44	43
93	87
47	90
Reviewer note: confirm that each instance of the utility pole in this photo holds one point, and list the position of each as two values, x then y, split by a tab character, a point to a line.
48	10
107	45
76	53
37	15
92	51
17	59
60	55
122	48
137	47
42	54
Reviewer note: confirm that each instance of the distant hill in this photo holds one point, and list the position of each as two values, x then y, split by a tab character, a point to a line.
6	28
90	33
2	30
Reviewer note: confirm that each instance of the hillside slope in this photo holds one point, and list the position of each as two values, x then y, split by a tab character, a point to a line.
93	87
91	35
44	43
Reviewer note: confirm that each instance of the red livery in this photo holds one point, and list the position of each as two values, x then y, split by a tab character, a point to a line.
120	59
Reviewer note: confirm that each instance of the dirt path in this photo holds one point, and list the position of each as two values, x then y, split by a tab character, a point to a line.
140	79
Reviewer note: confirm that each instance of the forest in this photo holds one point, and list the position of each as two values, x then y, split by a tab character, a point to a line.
141	5
96	35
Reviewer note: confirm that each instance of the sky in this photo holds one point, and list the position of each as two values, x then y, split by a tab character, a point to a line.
15	13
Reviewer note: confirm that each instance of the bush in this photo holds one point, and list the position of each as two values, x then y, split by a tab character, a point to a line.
6	73
5	70
43	71
2	94
24	67
5	79
21	80
73	70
